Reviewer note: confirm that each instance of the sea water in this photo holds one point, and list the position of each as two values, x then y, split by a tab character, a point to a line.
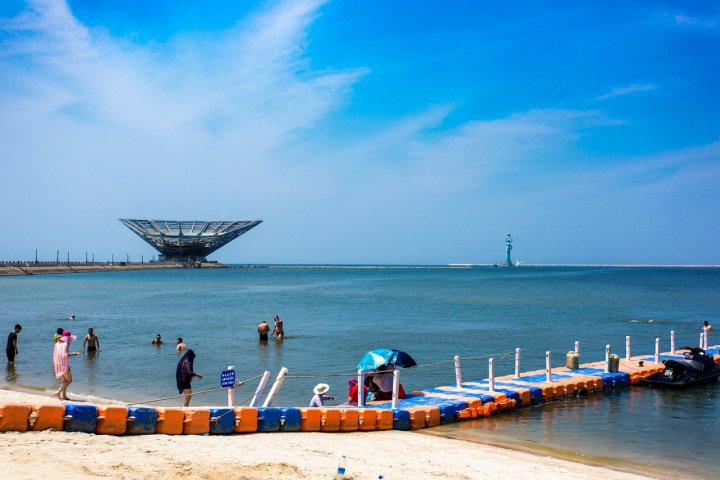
334	315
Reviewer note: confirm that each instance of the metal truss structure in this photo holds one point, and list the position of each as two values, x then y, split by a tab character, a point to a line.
188	241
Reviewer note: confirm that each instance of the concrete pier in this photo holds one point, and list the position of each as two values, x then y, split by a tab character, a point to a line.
46	268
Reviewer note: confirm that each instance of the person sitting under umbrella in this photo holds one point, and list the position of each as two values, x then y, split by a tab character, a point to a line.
383	361
320	397
384	381
353	391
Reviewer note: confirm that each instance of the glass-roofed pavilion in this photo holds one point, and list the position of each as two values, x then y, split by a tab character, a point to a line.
188	241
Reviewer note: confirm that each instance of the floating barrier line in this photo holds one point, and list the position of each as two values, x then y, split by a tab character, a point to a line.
433	406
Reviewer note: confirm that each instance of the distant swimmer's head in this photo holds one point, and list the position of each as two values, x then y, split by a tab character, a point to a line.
90	330
72	317
18	327
179	340
60	331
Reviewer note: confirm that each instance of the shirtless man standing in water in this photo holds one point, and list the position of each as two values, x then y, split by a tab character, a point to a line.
92	341
263	329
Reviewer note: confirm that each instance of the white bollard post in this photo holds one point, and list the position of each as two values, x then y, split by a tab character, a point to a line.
276	386
577	347
672	342
627	347
517	362
231	391
548	366
491	372
361	388
607	358
396	388
260	388
458	372
657	350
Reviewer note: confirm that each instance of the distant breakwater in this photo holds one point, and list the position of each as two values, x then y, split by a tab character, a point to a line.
48	268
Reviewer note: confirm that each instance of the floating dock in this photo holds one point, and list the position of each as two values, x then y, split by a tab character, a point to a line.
427	408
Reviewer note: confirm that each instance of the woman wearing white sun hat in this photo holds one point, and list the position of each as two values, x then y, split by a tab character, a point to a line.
320	397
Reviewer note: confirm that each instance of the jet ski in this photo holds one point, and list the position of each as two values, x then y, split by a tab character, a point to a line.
696	368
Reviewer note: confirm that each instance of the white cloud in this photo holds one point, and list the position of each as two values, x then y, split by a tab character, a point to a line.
231	98
627	90
688	20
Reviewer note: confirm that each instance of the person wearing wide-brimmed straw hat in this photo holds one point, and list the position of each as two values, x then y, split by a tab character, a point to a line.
320	397
61	364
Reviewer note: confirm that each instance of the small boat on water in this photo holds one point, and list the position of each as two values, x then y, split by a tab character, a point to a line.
696	368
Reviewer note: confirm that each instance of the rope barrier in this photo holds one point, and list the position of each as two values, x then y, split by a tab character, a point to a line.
587	345
323	375
174	396
200	392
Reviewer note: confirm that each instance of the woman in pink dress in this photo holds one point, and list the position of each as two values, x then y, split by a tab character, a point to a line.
61	364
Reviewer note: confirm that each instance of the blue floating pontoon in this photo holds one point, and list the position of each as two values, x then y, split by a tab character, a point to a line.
80	418
610	379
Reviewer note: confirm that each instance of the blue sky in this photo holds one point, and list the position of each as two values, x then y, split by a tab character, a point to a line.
383	132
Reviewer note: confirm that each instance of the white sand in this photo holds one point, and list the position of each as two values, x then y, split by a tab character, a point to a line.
300	455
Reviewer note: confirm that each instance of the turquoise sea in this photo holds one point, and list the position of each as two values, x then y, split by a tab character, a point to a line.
334	315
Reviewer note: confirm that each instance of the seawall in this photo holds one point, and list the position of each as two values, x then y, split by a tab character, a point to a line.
30	268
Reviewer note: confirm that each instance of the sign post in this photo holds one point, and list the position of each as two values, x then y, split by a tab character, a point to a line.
227	380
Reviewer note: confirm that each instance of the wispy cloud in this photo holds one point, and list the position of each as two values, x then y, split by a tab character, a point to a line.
688	20
628	90
231	99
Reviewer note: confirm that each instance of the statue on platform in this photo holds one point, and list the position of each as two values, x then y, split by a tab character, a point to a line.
508	248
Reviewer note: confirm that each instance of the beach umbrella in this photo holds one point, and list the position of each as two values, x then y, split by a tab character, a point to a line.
383	356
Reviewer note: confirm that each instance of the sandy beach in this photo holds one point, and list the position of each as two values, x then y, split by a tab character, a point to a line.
298	455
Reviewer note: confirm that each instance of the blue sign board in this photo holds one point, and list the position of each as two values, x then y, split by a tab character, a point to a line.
227	378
